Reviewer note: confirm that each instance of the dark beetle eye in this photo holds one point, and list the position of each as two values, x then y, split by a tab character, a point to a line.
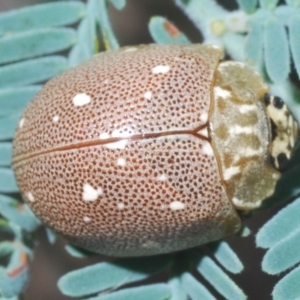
282	160
278	102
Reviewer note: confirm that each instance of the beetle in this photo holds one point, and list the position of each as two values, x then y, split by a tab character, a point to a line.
151	149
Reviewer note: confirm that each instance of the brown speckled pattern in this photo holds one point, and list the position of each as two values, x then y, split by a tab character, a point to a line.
126	174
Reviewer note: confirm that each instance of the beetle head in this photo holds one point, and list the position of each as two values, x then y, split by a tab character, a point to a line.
284	130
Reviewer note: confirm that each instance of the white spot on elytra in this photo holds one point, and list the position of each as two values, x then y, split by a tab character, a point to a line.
87	219
229	172
160	69
117	145
122	133
121	162
131	49
177	205
30	197
21	123
222	93
103	135
90	193
207	149
148	95
246	108
162	177
120	205
81	99
204	117
55	119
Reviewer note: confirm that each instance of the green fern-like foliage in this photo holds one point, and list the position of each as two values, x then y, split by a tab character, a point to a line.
255	33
